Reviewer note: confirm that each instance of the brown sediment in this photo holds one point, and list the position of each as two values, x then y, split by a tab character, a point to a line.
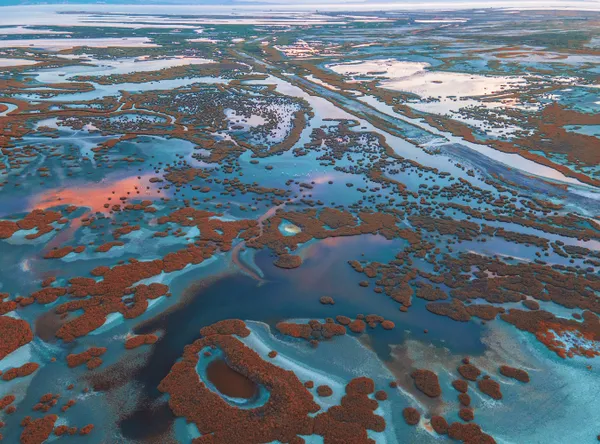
115	376
230	382
47	324
427	382
515	373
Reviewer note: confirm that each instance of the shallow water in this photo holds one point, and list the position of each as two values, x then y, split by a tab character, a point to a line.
255	193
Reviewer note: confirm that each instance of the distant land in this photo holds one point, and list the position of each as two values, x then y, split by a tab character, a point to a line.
346	5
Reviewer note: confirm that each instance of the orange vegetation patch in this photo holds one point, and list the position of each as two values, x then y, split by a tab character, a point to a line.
460	385
458	311
284	416
39	219
439	424
469	433
288	261
48	295
7	228
91	357
14	333
64	430
58	253
523	146
515	373
319	225
211	227
490	388
357	326
466	414
226	327
116	292
36	431
313	330
138	341
108	245
469	371
427	381
565	337
20	372
411	415
86	430
48	401
6	401
324	391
